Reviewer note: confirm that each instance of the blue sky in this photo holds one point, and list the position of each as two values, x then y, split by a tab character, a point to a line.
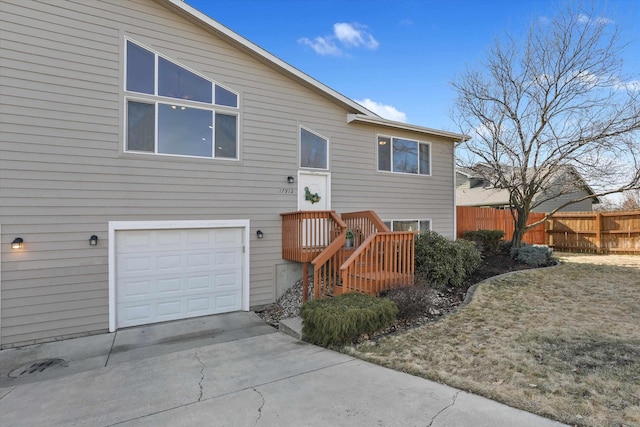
400	54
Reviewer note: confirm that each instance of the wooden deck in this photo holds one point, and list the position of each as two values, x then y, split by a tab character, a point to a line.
380	260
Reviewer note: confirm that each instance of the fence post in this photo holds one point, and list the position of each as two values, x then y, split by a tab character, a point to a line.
598	232
547	236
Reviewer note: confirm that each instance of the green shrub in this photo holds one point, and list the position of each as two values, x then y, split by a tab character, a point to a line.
412	301
444	263
534	255
343	319
486	240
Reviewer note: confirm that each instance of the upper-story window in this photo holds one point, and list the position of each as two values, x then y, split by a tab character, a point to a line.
314	150
401	155
172	110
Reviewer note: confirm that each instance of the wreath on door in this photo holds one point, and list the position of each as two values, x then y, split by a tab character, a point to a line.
312	197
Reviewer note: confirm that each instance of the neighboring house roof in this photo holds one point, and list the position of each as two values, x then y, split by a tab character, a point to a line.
484	194
362	114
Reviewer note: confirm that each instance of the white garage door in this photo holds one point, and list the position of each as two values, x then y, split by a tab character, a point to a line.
177	273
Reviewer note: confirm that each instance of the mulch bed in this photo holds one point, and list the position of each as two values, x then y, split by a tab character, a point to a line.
441	303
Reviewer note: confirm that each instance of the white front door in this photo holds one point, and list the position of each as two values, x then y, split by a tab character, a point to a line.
314	194
314	191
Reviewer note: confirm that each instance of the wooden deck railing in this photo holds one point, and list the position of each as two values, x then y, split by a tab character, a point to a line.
326	267
305	234
385	260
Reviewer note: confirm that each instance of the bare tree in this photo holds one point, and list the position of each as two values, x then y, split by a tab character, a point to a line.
630	201
557	99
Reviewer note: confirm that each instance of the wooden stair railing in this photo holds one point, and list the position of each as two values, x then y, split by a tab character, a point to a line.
326	268
308	235
385	260
382	259
363	224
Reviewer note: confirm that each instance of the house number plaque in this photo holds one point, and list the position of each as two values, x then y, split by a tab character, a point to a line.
287	191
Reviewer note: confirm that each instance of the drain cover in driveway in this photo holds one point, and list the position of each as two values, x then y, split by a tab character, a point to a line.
37	367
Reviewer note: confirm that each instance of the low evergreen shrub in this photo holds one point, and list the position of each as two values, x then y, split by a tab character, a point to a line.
343	319
487	240
444	263
534	255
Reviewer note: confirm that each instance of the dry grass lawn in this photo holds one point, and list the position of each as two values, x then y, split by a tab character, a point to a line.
562	342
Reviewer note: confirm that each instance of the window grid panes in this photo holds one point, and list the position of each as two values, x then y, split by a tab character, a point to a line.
313	150
176	82
400	155
156	125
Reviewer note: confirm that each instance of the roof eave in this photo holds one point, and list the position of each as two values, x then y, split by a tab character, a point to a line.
374	120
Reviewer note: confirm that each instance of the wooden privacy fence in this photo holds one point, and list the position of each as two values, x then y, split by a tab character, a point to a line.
472	218
600	232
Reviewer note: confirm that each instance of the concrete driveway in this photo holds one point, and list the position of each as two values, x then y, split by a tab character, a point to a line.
225	370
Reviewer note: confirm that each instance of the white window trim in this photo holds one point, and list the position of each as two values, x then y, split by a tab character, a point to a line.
166	225
391	138
300	149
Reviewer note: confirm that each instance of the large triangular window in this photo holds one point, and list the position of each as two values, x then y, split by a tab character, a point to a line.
175	111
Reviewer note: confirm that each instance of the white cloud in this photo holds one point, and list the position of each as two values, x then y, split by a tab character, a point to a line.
385	111
630	85
354	35
544	20
322	46
599	20
344	36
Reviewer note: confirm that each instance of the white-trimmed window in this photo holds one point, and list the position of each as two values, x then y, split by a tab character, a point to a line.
314	150
417	225
172	110
401	155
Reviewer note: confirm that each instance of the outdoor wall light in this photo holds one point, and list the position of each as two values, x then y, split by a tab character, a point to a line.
93	240
291	179
260	234
17	243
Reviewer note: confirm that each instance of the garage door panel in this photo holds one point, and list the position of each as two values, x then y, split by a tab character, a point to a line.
169	308
134	314
227	258
173	274
198	305
137	289
165	262
166	286
228	281
227	301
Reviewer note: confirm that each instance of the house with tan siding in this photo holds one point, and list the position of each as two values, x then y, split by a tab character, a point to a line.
150	159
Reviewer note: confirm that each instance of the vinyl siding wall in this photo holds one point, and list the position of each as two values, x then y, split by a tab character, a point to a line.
583	206
64	175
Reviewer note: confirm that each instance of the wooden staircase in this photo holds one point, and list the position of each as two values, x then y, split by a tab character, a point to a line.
380	260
